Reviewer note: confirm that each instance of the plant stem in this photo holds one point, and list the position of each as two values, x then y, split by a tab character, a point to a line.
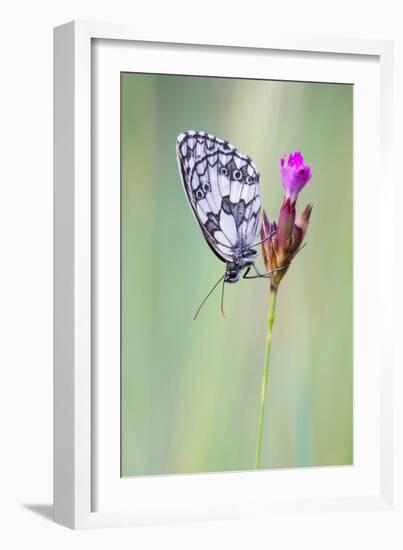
270	321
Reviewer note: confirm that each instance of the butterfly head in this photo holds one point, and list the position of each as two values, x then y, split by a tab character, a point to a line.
232	274
233	269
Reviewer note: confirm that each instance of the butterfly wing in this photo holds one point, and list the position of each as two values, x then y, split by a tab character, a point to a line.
222	186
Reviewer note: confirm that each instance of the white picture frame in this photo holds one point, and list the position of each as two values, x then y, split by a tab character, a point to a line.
88	491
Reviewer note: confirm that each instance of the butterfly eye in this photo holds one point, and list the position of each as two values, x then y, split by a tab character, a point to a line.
224	171
237	175
199	194
206	187
249	179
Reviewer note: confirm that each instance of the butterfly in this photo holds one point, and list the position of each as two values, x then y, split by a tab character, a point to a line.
223	189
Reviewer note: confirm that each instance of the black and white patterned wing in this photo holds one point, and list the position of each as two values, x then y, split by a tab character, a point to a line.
222	185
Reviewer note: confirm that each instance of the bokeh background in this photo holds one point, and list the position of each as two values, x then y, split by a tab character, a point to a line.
191	389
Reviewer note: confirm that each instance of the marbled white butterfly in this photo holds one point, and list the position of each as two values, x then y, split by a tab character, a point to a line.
223	189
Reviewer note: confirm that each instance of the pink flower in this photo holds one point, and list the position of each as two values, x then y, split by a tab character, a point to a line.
282	240
295	174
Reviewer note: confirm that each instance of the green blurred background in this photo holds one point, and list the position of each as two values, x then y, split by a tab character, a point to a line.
191	389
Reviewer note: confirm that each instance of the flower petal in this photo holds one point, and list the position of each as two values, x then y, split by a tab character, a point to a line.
295	174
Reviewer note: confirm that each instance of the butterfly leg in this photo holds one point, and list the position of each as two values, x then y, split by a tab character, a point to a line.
261	275
258	276
266	275
265	239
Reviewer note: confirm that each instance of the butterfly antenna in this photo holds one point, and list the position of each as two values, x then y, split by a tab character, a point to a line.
208	296
222	300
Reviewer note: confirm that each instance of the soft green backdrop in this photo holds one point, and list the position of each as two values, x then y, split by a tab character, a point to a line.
191	389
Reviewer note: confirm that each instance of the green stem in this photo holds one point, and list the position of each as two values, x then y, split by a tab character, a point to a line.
270	321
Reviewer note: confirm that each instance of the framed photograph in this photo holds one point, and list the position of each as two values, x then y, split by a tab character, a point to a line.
224	345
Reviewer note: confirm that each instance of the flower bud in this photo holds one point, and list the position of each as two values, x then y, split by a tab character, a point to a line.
281	242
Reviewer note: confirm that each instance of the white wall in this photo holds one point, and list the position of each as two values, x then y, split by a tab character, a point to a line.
26	259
